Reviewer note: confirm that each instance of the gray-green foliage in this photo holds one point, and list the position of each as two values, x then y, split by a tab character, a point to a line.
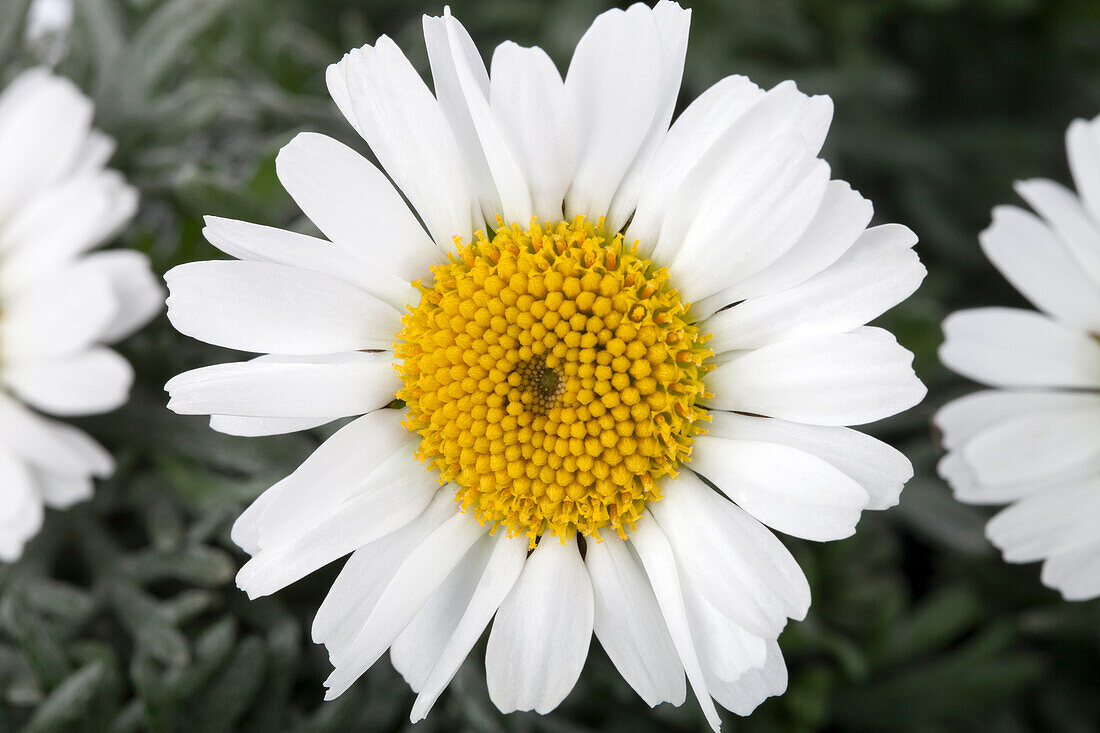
123	615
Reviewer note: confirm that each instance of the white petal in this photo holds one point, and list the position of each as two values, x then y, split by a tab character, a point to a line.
138	292
748	200
462	87
867	280
418	577
402	122
1083	151
267	244
1034	445
730	557
954	469
614	86
317	488
62	223
528	98
356	207
62	492
751	204
416	649
501	573
51	445
743	695
787	489
1009	347
691	136
839	379
838	224
42	131
252	427
542	631
262	307
58	316
962	419
88	383
390	497
656	555
629	624
726	651
1076	574
876	466
1054	521
1077	231
20	507
337	385
1032	258
368	572
672	26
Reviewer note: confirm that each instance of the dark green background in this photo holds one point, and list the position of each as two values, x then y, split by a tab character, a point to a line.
123	615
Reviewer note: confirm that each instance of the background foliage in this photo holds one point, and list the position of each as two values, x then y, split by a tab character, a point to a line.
123	615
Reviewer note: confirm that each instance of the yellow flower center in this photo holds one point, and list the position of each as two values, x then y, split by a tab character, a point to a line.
553	376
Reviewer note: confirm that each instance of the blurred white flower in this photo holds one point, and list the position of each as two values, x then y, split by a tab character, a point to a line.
48	24
1034	441
58	305
554	379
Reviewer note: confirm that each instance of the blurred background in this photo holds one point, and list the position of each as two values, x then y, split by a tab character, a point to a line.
123	615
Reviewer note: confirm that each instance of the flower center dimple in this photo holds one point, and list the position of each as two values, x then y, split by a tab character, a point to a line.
553	376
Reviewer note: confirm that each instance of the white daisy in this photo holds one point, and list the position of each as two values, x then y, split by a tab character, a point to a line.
1031	442
561	404
58	304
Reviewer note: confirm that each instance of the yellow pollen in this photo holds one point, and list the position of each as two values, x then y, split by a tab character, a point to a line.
553	375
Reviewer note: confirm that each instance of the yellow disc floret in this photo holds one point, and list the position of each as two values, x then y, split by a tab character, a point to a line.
553	376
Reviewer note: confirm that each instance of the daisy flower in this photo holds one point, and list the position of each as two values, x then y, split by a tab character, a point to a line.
1030	442
58	304
550	313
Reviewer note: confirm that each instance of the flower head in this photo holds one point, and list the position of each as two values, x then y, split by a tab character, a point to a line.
58	304
1030	442
589	320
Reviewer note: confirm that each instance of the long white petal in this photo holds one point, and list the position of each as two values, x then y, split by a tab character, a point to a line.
542	631
879	468
501	573
840	379
418	577
1010	347
787	489
741	567
656	555
88	383
387	102
629	624
335	385
263	307
614	86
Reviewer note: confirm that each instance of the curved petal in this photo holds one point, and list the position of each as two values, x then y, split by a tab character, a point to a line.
329	386
879	468
656	555
1010	347
737	563
1037	264
840	379
417	578
505	565
89	383
387	102
629	624
614	86
541	634
462	87
263	307
867	280
528	99
1055	521
787	489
